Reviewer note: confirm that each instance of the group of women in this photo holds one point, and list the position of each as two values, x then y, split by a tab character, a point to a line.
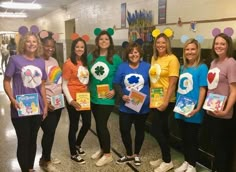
84	72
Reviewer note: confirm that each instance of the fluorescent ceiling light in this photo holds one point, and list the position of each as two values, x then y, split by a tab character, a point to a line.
13	15
20	5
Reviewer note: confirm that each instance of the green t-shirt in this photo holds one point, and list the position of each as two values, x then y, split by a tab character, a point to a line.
102	72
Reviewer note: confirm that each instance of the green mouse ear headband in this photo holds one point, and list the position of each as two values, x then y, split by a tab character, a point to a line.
97	31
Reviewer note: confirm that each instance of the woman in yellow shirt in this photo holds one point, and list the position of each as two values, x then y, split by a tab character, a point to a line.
163	74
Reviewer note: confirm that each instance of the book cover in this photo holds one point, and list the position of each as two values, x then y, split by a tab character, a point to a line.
102	90
58	101
136	100
29	104
84	100
156	97
184	105
214	102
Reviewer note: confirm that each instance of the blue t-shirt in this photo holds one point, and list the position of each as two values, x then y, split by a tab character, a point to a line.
137	79
190	81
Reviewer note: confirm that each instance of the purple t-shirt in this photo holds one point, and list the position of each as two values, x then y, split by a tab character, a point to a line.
220	76
27	76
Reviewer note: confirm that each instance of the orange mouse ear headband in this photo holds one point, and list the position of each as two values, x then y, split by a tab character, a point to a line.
97	31
74	36
168	32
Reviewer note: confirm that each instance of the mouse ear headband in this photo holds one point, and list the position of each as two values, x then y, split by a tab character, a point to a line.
168	32
23	30
139	41
75	36
46	34
228	31
97	31
199	38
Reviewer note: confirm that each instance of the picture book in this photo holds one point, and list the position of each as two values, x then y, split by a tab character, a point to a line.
136	100
214	102
29	104
58	101
84	100
102	90
156	97
184	105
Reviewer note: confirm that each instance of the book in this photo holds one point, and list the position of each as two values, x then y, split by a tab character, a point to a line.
58	101
29	104
84	100
102	90
156	97
184	105
136	100
214	102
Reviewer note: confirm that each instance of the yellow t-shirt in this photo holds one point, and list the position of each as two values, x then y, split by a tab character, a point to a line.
161	69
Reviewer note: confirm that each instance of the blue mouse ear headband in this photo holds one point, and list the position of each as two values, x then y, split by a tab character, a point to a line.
168	32
23	30
97	31
228	31
139	41
199	38
45	34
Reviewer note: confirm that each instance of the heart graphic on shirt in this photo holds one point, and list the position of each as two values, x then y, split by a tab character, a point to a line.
211	77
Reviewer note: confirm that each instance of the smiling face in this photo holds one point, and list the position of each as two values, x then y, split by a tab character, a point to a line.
191	53
104	41
31	45
48	48
79	49
220	47
134	57
161	46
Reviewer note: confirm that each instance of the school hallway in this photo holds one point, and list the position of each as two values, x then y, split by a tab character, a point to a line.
8	162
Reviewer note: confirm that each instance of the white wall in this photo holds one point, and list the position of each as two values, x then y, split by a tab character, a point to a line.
90	14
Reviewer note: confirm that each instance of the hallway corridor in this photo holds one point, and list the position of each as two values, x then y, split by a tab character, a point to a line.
8	161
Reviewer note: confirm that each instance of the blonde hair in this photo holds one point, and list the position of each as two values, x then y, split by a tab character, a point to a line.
198	59
168	45
22	42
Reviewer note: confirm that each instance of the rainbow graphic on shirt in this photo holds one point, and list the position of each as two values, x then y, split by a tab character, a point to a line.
54	74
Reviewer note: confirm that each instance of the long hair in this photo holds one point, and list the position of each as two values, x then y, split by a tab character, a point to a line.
198	59
111	51
230	49
73	55
23	40
131	47
168	45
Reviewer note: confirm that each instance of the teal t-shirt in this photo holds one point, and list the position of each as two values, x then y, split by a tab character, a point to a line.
102	72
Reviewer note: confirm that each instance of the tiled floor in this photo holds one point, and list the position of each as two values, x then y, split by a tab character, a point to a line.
8	161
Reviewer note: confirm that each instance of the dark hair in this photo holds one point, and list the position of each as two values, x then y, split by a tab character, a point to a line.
111	51
131	47
49	37
73	56
230	49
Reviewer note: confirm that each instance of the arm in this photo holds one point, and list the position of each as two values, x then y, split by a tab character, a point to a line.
118	90
170	90
8	90
45	102
230	103
68	96
201	99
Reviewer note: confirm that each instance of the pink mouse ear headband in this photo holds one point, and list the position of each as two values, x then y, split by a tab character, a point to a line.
74	36
46	34
97	31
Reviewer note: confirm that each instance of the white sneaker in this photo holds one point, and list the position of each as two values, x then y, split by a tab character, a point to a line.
55	161
182	168
191	169
97	154
164	167
104	160
156	163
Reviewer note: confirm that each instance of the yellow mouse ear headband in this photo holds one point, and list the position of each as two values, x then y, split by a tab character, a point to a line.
97	31
168	32
74	36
